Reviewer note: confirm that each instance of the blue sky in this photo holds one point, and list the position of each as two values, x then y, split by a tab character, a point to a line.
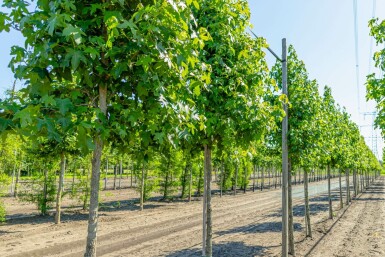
322	33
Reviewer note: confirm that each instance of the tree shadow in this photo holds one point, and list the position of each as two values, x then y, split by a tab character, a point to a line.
41	219
258	228
127	205
228	249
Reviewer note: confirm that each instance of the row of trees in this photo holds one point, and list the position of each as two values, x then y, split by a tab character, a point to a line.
166	81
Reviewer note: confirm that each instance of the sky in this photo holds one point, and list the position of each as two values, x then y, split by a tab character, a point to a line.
322	33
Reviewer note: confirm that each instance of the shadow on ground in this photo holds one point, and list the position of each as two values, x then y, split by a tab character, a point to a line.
258	228
229	249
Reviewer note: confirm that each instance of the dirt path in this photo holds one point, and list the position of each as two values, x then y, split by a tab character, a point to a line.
361	230
244	225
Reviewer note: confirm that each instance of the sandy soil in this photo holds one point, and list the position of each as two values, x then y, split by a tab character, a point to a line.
244	225
360	231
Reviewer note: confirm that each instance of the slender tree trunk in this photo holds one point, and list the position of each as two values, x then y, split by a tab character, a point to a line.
347	187
208	243
246	181
340	184
105	177
184	180
120	173
221	182
190	186
204	229
132	171
115	175
236	179
142	188
262	178
73	179
307	209
200	182
254	166
60	188
329	195
13	176
17	181
290	211
355	183
45	192
95	179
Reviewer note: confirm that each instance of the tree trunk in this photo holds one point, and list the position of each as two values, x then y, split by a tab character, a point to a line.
95	179
60	188
329	195
262	178
45	192
340	184
120	173
142	188
347	187
307	209
17	182
236	179
246	181
254	166
13	176
190	186
290	211
105	177
221	182
199	182
184	180
208	224
115	174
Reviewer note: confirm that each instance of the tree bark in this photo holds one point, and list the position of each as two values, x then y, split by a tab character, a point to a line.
17	181
307	209
236	178
329	195
60	188
340	184
208	168
290	211
142	188
120	173
95	179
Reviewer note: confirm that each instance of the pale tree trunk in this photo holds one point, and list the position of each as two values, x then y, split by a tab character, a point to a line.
340	184
307	209
17	181
329	195
115	174
236	178
355	183
13	176
105	177
120	173
254	166
290	211
142	187
190	186
246	181
347	187
207	195
60	188
221	182
95	179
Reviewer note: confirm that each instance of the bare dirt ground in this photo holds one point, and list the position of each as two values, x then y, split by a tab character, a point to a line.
244	225
360	231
